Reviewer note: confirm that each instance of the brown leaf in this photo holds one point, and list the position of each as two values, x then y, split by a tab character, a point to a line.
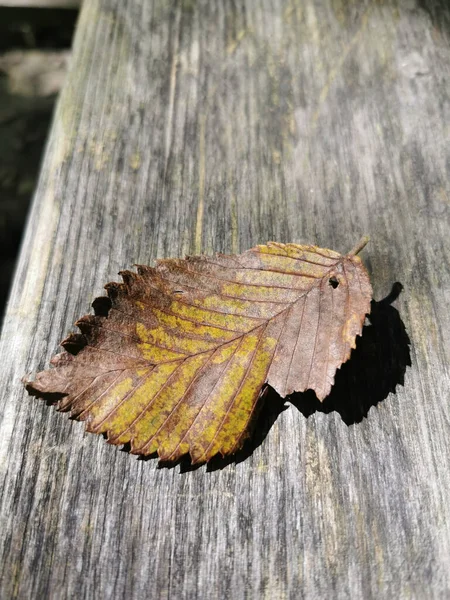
175	358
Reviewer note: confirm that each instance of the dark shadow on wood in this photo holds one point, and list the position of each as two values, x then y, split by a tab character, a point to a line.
376	367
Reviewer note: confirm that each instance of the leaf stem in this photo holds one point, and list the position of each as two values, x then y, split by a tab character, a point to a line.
359	246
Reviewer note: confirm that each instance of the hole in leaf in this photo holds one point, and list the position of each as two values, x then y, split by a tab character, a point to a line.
333	282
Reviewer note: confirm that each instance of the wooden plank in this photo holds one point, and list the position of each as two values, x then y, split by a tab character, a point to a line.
201	126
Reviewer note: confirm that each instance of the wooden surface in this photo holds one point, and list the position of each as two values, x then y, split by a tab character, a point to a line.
201	126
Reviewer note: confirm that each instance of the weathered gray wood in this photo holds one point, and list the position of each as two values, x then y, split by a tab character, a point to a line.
202	126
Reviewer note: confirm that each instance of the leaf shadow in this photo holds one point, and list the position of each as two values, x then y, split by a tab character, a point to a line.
377	365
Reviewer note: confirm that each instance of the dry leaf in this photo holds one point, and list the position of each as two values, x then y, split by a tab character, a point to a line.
176	357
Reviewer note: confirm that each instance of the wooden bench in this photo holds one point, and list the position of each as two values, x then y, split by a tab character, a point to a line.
213	126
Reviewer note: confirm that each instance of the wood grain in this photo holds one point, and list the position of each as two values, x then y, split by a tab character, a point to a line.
202	126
